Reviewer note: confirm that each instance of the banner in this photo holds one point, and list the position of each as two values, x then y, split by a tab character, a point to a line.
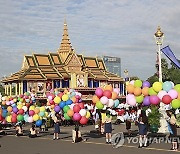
167	51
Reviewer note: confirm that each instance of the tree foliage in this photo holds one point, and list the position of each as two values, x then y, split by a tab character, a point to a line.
171	73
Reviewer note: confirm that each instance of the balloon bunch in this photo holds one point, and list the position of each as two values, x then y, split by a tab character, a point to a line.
19	108
70	103
142	92
106	97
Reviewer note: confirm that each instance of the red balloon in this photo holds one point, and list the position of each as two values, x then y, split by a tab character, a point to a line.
83	120
21	111
51	102
76	108
60	94
1	118
81	105
14	119
14	115
107	93
166	99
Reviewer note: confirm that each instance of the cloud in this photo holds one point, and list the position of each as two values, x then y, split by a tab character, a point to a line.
117	28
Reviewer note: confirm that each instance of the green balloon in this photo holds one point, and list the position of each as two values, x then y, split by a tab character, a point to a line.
177	87
139	99
66	116
99	105
152	92
138	83
66	108
20	117
175	104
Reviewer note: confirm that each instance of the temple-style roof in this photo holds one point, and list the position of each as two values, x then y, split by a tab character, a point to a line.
60	65
65	47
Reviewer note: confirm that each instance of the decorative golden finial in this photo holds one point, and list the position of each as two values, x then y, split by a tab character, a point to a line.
159	33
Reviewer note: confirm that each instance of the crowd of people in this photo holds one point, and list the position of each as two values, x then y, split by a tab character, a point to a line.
102	120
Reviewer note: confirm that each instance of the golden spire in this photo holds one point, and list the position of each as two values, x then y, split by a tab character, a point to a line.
65	46
159	33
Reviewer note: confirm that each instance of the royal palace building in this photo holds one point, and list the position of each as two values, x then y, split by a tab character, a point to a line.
62	69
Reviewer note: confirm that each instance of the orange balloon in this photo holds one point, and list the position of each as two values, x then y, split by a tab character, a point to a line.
108	87
65	91
73	99
114	95
70	112
178	96
95	99
137	91
52	106
9	109
3	103
36	110
130	88
145	91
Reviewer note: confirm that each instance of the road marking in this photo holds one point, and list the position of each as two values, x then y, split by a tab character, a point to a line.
87	142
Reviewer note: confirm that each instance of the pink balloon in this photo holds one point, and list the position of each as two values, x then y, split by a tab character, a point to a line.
173	93
116	90
154	99
31	112
30	119
132	82
76	117
99	92
161	94
104	100
129	96
132	101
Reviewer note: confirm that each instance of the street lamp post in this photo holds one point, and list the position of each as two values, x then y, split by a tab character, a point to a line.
159	40
126	78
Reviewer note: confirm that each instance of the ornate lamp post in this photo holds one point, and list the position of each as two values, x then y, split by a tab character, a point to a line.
159	40
126	78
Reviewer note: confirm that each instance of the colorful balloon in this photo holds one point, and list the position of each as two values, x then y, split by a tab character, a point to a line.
166	99
157	86
99	92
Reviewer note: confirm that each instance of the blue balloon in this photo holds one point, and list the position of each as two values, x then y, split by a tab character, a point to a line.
26	116
167	86
62	104
69	102
38	123
116	103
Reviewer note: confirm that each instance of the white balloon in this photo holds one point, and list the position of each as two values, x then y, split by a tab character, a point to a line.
24	108
71	106
82	112
110	103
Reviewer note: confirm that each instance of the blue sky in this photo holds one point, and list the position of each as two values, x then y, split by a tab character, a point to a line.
122	28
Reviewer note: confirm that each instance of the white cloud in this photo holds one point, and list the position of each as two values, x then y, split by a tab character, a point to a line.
121	28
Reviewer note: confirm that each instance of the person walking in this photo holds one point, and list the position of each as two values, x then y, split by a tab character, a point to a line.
173	133
108	127
142	125
56	120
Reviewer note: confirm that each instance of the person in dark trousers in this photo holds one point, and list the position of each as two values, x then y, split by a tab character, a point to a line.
143	128
172	124
108	127
56	119
33	131
18	128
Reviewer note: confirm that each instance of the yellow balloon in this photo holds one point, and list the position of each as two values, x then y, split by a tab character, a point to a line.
20	106
42	108
32	107
157	86
57	99
35	117
65	97
46	114
88	114
8	118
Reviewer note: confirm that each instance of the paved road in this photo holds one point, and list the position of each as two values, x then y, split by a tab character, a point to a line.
94	145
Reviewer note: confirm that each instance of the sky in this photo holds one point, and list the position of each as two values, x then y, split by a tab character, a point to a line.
121	28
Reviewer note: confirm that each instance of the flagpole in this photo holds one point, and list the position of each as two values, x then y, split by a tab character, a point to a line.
159	40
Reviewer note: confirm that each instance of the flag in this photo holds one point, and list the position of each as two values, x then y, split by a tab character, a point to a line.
167	51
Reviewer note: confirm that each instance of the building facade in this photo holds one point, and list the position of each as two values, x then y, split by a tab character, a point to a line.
113	64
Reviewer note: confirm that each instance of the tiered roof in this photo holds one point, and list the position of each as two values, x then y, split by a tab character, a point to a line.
59	65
